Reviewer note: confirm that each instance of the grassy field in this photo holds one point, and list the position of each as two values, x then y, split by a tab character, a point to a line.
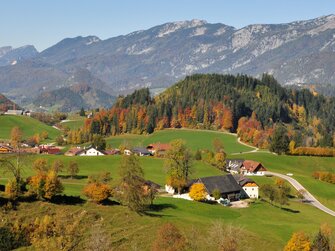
302	168
28	125
267	227
74	124
194	139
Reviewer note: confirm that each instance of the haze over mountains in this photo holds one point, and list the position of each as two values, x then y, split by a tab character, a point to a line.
297	52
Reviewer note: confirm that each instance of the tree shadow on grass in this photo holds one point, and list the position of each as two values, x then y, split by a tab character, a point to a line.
67	200
282	208
154	209
109	202
76	177
290	210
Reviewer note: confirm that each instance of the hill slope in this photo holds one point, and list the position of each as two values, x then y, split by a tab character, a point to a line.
73	98
250	106
29	127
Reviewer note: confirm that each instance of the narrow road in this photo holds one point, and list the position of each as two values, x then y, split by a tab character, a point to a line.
309	198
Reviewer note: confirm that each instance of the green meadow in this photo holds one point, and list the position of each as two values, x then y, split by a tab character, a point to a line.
28	125
266	227
195	139
74	124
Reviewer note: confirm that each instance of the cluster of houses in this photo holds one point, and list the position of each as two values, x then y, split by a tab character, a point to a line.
17	113
42	149
157	149
233	186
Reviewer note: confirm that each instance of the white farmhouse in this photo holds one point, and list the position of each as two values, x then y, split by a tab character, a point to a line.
91	151
250	188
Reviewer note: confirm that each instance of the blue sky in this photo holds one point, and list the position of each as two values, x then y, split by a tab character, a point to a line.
43	23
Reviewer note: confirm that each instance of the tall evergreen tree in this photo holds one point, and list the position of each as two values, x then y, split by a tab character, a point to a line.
132	184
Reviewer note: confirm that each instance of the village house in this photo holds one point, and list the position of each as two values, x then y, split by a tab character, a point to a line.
127	152
158	149
251	167
245	167
234	165
250	188
112	152
14	112
6	149
91	151
73	151
139	151
45	149
226	185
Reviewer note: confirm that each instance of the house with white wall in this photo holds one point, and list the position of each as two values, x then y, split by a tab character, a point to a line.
91	151
249	187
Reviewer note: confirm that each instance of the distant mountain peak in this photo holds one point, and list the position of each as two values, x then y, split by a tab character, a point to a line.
175	26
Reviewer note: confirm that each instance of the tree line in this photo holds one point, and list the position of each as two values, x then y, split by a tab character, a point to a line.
246	105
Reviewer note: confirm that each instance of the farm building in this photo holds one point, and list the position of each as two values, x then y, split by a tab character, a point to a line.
245	167
234	165
158	148
6	149
73	151
91	151
139	151
251	167
49	150
250	188
14	112
226	184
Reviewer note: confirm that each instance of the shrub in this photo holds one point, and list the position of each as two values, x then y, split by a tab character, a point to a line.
216	194
97	192
169	238
198	192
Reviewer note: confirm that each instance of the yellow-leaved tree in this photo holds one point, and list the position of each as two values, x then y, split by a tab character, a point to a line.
198	192
52	186
298	242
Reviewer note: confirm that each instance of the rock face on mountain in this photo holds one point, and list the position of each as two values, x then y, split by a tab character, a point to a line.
10	56
297	52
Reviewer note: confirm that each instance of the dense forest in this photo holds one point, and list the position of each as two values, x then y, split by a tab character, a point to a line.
251	107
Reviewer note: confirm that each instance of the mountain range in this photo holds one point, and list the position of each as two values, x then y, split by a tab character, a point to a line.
295	53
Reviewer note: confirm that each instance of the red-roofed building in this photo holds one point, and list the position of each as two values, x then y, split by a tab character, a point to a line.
49	150
251	167
158	148
73	151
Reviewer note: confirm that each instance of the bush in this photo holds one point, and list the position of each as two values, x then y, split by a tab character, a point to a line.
169	238
97	192
216	194
198	192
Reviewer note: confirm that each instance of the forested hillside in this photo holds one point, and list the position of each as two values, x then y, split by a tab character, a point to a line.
246	105
6	104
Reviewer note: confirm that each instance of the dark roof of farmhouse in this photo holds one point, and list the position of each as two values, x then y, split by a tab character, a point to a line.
225	184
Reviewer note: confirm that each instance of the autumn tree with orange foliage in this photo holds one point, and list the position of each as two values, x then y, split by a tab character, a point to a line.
97	192
98	188
169	238
45	185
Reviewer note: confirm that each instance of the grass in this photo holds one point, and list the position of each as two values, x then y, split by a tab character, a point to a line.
195	139
302	168
28	125
267	227
77	123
